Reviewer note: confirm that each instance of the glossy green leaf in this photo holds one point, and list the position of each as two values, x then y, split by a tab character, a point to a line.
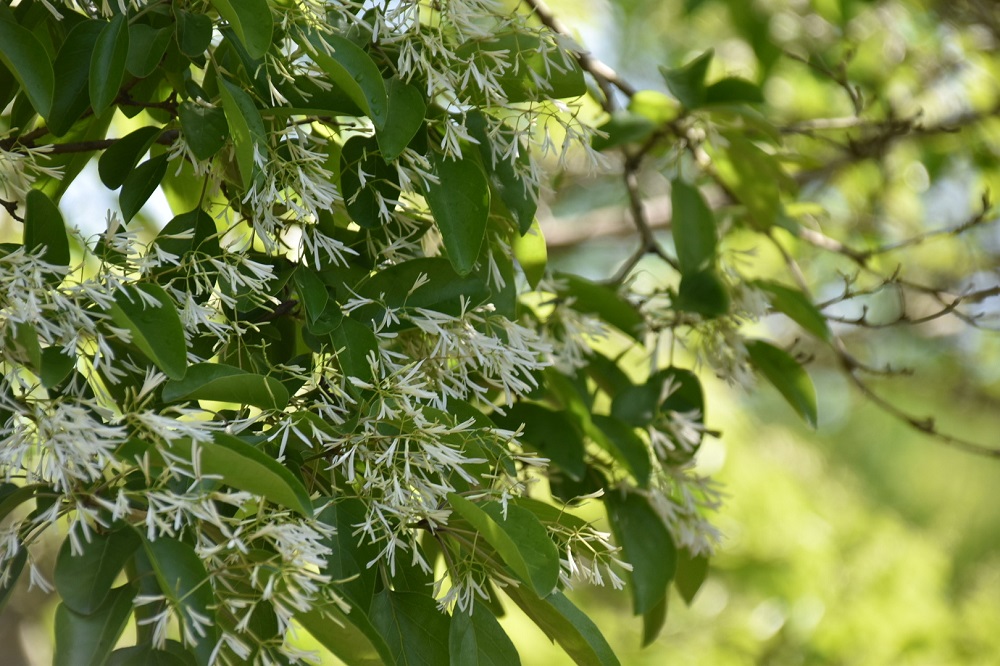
354	343
413	627
246	128
623	128
443	290
403	118
693	228
183	580
194	31
107	63
205	129
507	179
647	546
531	254
361	154
785	373
245	467
226	383
460	204
352	70
140	184
567	625
72	73
156	330
121	157
593	298
703	293
146	48
87	640
477	639
84	581
733	90
520	540
794	304
25	57
350	636
350	553
252	22
691	573
193	231
628	447
551	433
687	83
44	226
312	291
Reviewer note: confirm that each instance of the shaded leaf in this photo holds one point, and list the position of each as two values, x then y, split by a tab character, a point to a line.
84	581
460	203
653	621
26	58
552	433
194	31
529	74
87	640
350	636
565	624
693	228
413	627
687	83
14	568
382	180
146	48
140	184
121	157
691	573
794	304
72	72
628	447
517	194
107	63
226	383
44	226
647	546
56	366
477	639
354	342
403	118
622	128
156	330
246	129
704	293
785	373
205	129
593	298
733	90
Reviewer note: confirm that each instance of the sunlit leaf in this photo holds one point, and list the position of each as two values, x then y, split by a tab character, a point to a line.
156	329
567	625
226	383
252	21
460	203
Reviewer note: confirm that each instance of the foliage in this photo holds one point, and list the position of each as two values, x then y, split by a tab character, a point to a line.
340	389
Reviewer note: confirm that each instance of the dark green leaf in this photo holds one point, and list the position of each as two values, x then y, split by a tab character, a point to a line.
530	75
754	177
404	116
312	291
687	83
733	90
350	636
107	64
26	58
460	203
140	184
87	640
72	72
44	226
205	129
794	304
653	621
84	581
156	330
691	573
120	159
56	366
382	181
703	293
592	298
567	625
520	540
194	31
146	47
350	552
785	373
352	70
413	627
245	467
647	546
11	499
14	568
198	232
252	21
146	655
477	639
507	178
354	342
552	433
622	128
628	447
246	128
226	383
693	227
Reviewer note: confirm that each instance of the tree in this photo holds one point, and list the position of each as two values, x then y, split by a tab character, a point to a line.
340	387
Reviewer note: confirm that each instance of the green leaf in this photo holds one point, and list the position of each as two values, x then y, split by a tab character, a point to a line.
532	254
252	21
350	636
246	128
628	447
362	202
146	655
403	118
654	105
693	227
194	31
72	72
119	160
794	304
87	640
520	540
226	383
703	293
733	90
552	433
413	627
14	568
754	177
785	373
477	639
623	128
140	184
653	621
647	546
246	467
530	74
26	58
352	70
146	48
156	330
56	366
691	573
199	234
687	83
44	226
567	625
84	581
460	203
592	298
354	341
205	129
350	553
184	581
312	291
12	499
107	64
518	196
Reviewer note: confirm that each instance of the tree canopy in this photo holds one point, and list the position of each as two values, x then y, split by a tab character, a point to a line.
340	389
